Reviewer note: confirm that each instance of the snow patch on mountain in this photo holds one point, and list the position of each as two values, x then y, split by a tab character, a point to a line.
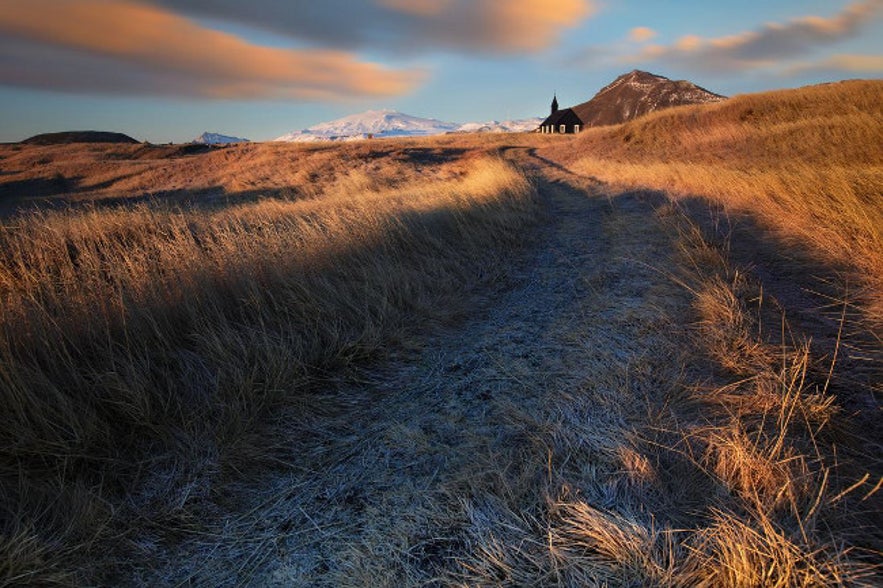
390	123
524	125
217	139
373	123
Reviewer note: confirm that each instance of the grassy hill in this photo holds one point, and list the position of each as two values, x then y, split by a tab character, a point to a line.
808	163
149	333
626	357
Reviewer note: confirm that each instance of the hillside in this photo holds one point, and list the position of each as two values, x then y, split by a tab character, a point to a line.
805	162
206	175
68	137
645	355
638	93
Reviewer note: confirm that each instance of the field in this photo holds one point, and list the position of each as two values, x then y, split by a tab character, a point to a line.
648	354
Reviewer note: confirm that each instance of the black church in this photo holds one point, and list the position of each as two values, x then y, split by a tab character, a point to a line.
561	121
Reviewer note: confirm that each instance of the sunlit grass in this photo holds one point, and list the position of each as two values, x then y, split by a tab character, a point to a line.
808	163
143	350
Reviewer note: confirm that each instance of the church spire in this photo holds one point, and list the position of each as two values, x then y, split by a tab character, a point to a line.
555	103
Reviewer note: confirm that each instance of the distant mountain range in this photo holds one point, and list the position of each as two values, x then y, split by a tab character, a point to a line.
629	96
638	93
524	125
217	139
390	123
373	123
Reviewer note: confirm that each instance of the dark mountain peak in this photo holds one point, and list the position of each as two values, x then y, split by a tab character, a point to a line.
68	137
643	76
637	93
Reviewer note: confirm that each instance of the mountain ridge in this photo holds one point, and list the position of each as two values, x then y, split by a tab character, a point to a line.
371	123
637	93
392	123
209	138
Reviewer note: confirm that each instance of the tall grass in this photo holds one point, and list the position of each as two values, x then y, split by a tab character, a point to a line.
775	499
787	489
808	163
788	504
144	350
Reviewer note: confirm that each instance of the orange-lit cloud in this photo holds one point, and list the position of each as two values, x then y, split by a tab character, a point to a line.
156	47
489	26
526	25
768	46
688	43
126	46
641	34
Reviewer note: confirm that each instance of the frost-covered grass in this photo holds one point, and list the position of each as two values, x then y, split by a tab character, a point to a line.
179	383
808	163
144	350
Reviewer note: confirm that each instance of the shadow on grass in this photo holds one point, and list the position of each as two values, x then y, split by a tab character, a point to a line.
130	414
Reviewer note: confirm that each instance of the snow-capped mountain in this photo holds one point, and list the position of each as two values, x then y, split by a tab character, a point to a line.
524	125
376	123
217	138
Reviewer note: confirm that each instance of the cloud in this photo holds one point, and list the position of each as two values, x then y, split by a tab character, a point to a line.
768	46
488	26
160	47
858	64
424	8
129	47
641	34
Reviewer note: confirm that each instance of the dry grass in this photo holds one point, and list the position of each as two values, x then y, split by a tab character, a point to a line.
808	163
773	499
788	484
144	349
230	174
634	413
790	501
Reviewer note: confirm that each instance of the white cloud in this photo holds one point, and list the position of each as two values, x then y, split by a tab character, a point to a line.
769	46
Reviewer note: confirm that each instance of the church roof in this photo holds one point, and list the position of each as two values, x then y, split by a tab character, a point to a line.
565	116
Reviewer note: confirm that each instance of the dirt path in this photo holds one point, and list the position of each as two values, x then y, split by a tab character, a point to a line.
445	464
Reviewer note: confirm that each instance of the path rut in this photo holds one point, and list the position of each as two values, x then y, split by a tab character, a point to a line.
443	465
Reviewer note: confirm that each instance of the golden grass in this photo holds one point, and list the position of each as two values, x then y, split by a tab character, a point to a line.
775	507
765	439
229	174
808	163
144	349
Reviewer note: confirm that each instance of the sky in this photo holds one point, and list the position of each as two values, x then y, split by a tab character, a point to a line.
167	70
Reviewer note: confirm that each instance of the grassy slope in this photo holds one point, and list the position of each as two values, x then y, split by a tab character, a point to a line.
227	174
794	476
144	350
807	163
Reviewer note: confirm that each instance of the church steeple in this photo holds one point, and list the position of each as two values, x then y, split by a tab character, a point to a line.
554	103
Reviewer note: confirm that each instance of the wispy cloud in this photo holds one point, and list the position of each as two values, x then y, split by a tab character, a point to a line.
492	26
130	47
641	34
856	64
162	46
768	46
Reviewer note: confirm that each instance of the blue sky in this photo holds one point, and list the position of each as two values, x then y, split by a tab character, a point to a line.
167	70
